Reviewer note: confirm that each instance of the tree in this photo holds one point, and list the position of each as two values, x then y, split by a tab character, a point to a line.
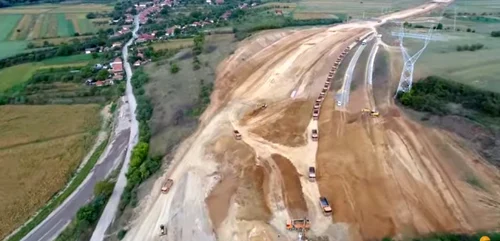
91	15
102	74
104	188
468	30
87	213
95	55
177	31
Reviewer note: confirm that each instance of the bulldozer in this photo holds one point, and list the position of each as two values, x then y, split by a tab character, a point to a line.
372	113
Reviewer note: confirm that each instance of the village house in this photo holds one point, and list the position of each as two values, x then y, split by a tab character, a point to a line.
116	45
209	2
137	63
117	66
145	38
278	12
243	6
219	2
226	15
90	50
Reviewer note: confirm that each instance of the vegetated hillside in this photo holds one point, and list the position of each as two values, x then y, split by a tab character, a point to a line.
471	113
434	95
40	148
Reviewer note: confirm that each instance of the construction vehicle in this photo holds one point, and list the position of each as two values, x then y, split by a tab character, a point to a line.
237	135
330	75
317	104
163	230
363	42
319	99
312	174
322	93
263	106
372	113
328	80
327	210
316	114
166	186
298	224
314	135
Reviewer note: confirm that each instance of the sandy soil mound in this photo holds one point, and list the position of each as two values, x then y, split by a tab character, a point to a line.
289	128
292	188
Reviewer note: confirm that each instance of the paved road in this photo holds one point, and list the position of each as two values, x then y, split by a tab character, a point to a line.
109	212
54	224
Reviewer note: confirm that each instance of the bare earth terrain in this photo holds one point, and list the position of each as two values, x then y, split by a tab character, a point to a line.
385	176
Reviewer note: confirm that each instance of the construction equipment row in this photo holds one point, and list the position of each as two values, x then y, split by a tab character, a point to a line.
302	225
326	87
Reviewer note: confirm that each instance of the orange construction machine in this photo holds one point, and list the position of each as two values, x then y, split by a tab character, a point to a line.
298	224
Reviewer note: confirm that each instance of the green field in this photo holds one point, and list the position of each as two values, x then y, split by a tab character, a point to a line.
7	24
20	73
64	26
478	68
341	8
9	48
478	6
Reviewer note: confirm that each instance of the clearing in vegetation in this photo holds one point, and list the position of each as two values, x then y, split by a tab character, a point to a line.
38	155
173	44
24	27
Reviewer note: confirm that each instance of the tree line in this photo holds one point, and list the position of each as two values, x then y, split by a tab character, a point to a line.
433	94
74	47
141	165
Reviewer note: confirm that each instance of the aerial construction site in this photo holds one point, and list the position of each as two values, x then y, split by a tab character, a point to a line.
295	146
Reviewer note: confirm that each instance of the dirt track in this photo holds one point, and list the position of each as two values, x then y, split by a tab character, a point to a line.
383	177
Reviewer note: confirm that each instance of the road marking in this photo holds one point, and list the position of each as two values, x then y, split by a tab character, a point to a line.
53	227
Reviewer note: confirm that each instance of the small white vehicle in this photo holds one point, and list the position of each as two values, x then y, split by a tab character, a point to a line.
339	103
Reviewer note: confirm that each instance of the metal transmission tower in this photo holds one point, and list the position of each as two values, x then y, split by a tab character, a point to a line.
406	79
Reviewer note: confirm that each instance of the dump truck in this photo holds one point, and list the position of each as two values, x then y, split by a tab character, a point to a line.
315	114
263	106
237	135
317	104
298	224
320	98
327	210
166	186
314	135
312	174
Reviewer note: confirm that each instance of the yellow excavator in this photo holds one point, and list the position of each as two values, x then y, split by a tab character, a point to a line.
372	113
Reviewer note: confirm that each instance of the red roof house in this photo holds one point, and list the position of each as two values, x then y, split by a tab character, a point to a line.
117	66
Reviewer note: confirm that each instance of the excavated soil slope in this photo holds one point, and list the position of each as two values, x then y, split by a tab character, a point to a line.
383	177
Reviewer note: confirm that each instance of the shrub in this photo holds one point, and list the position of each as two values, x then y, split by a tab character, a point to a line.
174	68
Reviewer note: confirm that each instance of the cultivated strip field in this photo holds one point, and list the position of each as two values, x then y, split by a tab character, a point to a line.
38	152
48	21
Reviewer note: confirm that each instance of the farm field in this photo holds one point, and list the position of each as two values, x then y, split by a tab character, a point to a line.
46	22
38	153
477	68
20	73
341	8
173	44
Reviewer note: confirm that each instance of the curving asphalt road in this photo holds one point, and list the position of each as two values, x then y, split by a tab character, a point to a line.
55	223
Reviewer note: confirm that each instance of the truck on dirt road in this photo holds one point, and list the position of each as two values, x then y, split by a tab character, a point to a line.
166	186
327	210
237	135
312	174
316	114
314	135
